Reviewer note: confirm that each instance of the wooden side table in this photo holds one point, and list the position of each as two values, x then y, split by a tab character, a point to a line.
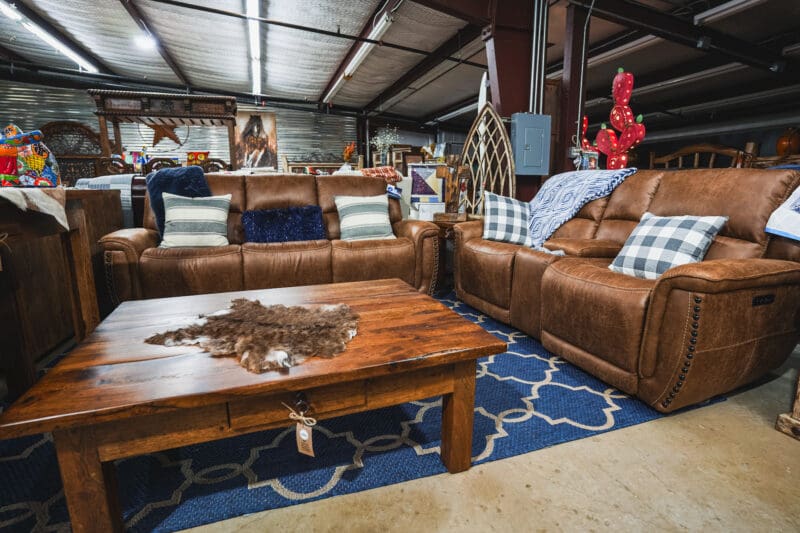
447	241
789	423
24	227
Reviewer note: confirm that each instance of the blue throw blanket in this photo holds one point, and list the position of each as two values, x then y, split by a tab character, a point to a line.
121	182
563	195
183	181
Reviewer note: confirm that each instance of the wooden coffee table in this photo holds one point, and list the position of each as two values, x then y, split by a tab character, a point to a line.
115	396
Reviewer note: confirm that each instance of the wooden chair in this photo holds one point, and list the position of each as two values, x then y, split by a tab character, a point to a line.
771	161
702	155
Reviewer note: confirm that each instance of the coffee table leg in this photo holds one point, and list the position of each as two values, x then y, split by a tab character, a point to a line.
458	410
90	486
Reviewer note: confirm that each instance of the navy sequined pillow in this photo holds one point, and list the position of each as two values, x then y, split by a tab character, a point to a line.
284	225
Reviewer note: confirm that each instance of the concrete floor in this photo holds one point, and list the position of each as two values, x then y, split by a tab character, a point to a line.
719	468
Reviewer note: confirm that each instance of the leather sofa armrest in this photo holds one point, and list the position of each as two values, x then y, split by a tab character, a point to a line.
715	325
122	250
425	236
722	275
465	231
585	247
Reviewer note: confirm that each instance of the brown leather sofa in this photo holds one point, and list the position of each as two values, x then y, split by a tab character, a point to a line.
137	268
698	331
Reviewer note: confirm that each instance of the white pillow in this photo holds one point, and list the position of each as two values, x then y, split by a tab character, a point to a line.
193	222
364	217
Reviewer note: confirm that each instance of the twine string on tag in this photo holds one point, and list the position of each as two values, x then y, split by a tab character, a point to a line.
300	417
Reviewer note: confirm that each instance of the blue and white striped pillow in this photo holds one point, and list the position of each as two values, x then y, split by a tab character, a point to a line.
192	222
364	217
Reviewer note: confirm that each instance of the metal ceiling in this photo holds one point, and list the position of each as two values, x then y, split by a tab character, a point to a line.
208	39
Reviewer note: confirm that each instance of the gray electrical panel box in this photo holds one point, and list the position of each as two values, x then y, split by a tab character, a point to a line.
530	140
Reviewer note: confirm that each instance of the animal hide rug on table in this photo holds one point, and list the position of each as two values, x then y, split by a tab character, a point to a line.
268	338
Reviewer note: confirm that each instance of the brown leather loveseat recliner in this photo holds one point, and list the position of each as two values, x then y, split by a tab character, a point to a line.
137	268
699	330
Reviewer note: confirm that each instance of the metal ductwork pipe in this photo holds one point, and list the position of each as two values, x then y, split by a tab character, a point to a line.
693	132
538	55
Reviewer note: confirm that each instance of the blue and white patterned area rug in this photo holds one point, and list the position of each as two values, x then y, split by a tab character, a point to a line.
526	399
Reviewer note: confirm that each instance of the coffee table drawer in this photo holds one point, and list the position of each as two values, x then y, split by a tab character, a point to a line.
258	411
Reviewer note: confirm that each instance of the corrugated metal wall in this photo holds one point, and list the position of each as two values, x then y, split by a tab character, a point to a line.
300	133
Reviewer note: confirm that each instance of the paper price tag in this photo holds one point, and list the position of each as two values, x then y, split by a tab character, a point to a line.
304	436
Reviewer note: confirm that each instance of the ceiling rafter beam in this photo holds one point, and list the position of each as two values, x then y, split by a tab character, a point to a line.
145	26
470	100
365	31
10	55
678	30
58	35
464	36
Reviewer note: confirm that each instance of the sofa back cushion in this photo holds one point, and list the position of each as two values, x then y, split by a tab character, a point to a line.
746	196
220	184
627	204
584	224
330	186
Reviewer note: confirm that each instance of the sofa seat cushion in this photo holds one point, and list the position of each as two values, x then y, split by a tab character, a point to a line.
595	311
183	271
373	259
490	266
286	264
584	247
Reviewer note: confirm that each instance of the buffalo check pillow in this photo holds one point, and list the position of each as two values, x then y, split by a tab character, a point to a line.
505	219
660	243
190	222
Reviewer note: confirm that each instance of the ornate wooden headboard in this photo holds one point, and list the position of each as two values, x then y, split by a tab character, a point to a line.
77	149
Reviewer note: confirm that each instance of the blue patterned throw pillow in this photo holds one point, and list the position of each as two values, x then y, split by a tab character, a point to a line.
563	195
284	225
505	219
660	243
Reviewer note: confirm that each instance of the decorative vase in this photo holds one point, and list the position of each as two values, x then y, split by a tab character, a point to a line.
788	143
384	159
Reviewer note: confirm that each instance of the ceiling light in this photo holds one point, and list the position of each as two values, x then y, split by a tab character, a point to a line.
59	46
363	51
254	37
10	12
334	90
724	10
458	112
378	30
145	42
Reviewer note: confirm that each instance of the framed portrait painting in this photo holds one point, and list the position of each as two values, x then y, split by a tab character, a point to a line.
256	140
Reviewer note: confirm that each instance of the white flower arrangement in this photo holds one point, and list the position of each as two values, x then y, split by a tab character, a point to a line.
385	138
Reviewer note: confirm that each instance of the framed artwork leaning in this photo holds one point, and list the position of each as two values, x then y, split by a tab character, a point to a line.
256	140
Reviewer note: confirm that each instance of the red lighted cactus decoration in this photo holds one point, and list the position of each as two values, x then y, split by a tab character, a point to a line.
631	130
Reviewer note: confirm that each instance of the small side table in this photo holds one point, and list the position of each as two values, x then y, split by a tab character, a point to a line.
447	241
789	423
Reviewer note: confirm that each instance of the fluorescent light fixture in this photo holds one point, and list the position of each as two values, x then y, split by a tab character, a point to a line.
59	46
334	90
145	42
363	51
10	12
13	14
724	10
254	36
378	31
458	112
